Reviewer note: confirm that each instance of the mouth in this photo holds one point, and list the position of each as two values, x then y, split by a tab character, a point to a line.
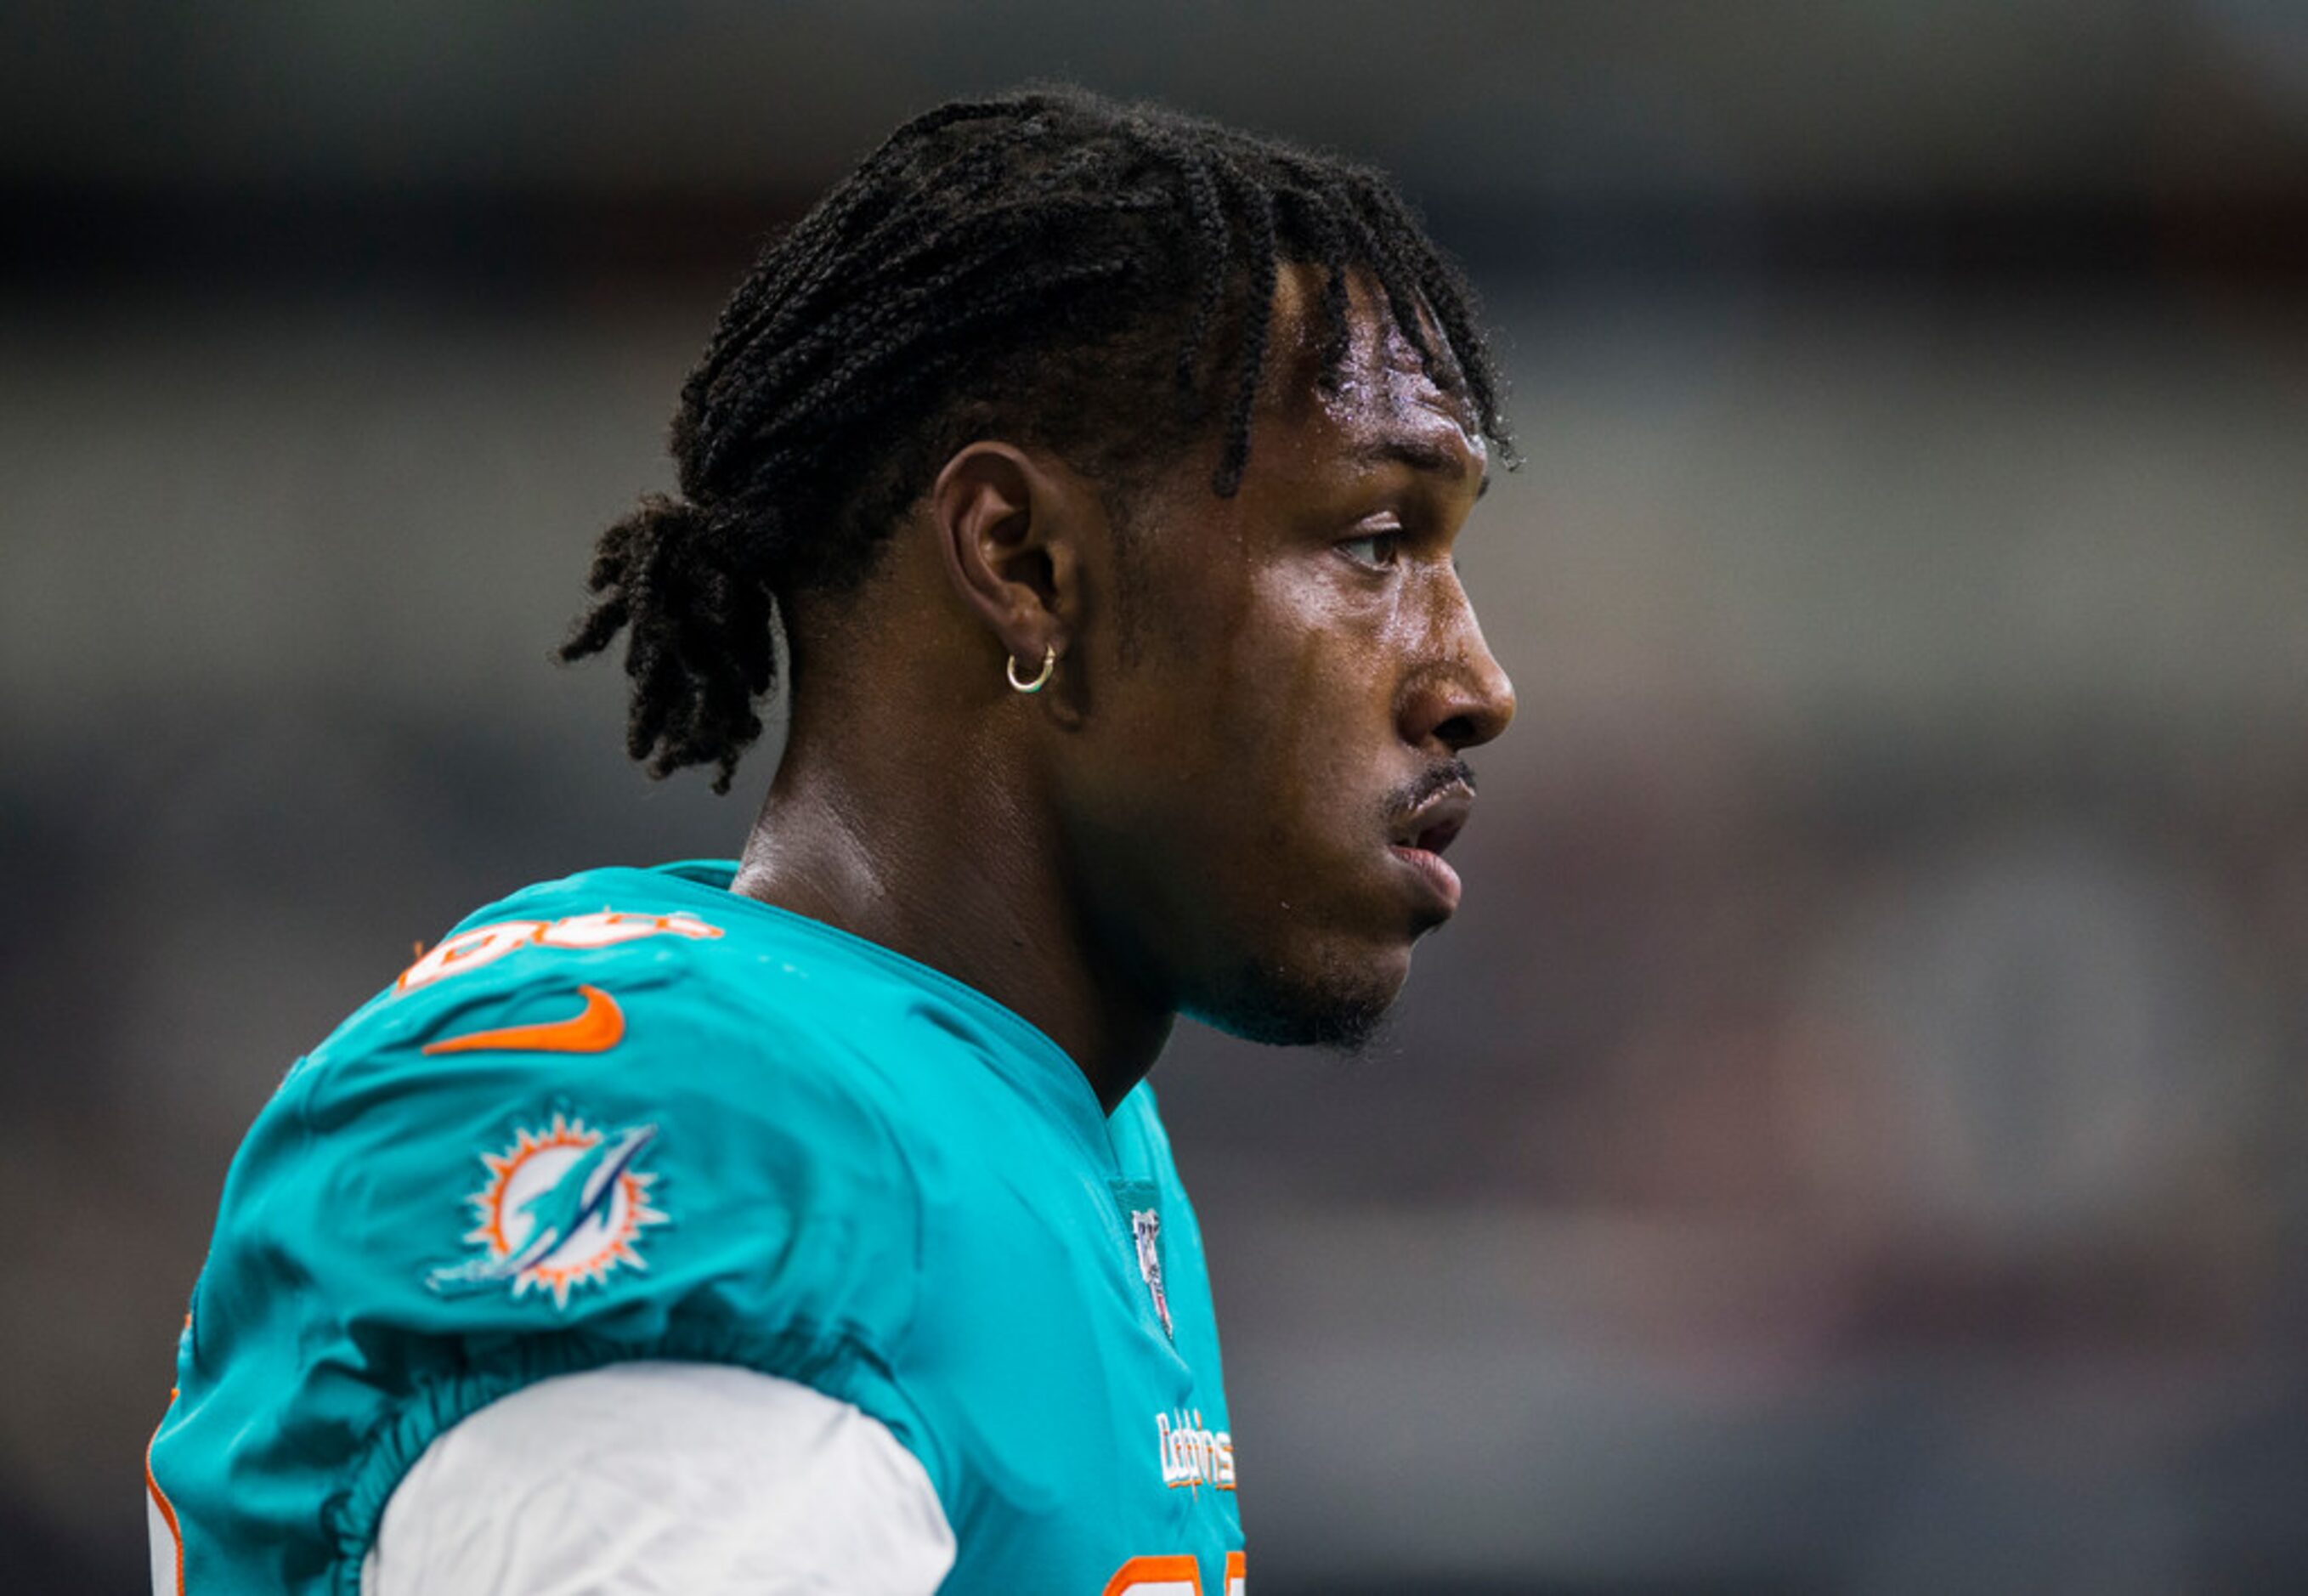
1420	835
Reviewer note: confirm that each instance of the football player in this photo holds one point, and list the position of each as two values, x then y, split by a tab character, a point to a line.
804	1223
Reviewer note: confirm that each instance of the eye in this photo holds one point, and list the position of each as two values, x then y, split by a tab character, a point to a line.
1378	550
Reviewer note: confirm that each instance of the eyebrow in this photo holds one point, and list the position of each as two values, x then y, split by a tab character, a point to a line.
1420	455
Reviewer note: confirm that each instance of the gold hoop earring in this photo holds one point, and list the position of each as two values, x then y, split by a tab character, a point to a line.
1049	664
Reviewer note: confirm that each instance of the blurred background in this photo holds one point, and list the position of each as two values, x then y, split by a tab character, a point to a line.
1852	1139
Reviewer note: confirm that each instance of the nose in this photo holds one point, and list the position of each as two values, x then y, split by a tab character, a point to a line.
1458	697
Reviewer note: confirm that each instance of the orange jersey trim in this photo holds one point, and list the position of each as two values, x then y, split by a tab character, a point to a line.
167	1508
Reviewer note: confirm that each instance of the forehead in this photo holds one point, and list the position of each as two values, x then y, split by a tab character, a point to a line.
1381	393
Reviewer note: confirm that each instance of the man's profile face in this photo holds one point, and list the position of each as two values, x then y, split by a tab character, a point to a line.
1268	769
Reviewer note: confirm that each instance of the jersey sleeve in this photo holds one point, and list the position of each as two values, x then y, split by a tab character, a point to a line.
645	1478
572	1159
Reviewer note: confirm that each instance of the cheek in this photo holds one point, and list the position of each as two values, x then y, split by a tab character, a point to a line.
1320	685
1303	738
1244	747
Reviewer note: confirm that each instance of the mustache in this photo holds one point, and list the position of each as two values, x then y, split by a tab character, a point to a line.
1450	772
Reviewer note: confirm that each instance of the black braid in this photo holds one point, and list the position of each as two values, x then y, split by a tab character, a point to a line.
1039	266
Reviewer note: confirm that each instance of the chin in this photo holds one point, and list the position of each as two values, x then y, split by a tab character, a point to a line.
1335	1000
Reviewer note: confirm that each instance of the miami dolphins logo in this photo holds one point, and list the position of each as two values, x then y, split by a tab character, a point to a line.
562	1208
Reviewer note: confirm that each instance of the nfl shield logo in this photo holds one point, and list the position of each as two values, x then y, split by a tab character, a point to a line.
1146	1226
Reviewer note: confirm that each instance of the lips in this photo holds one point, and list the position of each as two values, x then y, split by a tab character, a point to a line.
1421	833
1430	826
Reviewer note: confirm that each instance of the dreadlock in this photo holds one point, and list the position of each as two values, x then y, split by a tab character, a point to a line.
1038	266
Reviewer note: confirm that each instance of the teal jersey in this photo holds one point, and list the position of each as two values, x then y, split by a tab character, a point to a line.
632	1115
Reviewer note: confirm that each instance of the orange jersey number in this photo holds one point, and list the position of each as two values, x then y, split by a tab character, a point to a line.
1175	1576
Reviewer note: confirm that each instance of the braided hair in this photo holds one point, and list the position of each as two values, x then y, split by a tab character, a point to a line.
1045	266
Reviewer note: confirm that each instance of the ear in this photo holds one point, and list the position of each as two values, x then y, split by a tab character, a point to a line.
1010	525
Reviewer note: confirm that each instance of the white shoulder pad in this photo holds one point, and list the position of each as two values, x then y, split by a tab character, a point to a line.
657	1477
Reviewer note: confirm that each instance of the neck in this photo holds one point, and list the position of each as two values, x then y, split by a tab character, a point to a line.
932	841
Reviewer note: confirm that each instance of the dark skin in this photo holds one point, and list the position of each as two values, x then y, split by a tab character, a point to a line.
1230	799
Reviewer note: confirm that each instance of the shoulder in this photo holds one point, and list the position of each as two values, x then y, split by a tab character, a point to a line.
618	982
598	1094
598	1122
631	933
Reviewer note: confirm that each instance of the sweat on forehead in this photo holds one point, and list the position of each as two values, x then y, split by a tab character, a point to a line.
1378	361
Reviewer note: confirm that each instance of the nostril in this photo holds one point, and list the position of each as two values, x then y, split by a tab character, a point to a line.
1458	708
1458	732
